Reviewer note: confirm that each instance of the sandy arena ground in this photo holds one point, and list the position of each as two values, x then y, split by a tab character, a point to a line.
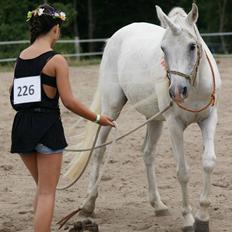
123	204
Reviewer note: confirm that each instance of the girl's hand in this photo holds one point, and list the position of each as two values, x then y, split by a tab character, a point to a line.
106	121
163	64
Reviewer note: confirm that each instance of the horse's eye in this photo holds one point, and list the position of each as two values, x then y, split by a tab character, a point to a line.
192	47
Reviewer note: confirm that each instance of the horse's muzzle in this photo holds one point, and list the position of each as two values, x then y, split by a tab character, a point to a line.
178	93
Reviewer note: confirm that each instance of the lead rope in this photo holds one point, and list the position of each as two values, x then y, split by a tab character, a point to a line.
110	142
64	220
126	134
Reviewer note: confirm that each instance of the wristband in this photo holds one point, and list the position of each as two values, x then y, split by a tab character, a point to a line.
98	118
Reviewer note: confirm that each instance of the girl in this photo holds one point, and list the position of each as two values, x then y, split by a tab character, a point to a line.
40	78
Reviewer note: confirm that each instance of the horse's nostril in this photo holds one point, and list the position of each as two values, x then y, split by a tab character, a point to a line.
171	93
184	91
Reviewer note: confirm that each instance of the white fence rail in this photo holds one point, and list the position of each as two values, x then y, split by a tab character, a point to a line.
216	34
59	41
77	43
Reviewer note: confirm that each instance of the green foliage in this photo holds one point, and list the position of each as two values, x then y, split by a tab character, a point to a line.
13	25
12	20
108	17
67	27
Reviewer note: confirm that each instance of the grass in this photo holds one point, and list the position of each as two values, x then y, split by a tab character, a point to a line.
7	67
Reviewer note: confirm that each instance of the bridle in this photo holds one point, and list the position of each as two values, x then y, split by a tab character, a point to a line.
192	78
193	75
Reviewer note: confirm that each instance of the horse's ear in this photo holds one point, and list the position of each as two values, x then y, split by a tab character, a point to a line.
193	14
160	15
166	21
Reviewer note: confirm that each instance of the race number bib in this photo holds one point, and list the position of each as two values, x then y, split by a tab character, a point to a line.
27	90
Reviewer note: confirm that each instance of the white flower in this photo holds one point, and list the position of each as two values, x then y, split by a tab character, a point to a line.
56	15
62	16
40	11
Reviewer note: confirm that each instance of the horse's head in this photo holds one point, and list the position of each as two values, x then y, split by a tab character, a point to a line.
181	49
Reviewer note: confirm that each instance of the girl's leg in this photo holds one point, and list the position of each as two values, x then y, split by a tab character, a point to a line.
48	175
30	161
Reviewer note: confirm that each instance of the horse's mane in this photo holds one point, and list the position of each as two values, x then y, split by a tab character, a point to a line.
178	15
177	11
175	14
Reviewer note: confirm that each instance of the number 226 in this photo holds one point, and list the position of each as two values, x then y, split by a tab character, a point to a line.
25	90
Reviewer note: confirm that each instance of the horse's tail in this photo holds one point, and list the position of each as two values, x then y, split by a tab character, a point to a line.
79	162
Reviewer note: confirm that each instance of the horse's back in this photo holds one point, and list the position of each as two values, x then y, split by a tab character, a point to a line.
136	30
132	59
131	36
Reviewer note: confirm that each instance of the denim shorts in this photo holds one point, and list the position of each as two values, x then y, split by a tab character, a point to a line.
40	148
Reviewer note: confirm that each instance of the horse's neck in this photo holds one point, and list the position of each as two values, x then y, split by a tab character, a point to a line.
202	42
206	72
207	59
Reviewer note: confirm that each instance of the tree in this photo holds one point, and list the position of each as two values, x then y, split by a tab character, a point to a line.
91	24
101	18
222	14
13	25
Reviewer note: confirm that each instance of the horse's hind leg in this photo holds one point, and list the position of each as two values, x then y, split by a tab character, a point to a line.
153	133
112	104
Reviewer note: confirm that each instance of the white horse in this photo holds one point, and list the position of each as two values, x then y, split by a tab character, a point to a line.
130	71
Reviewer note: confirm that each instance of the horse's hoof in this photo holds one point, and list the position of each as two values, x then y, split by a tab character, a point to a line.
161	212
78	226
87	222
94	227
85	225
188	229
90	226
201	226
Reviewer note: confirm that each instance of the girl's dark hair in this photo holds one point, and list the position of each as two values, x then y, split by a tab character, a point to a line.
40	25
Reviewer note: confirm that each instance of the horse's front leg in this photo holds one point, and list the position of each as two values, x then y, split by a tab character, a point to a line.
153	133
176	129
208	127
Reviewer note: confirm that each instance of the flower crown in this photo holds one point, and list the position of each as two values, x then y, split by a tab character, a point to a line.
40	11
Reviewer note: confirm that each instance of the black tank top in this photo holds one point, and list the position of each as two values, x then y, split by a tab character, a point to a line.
36	122
34	67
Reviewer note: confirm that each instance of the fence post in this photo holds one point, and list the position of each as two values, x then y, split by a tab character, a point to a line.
77	47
